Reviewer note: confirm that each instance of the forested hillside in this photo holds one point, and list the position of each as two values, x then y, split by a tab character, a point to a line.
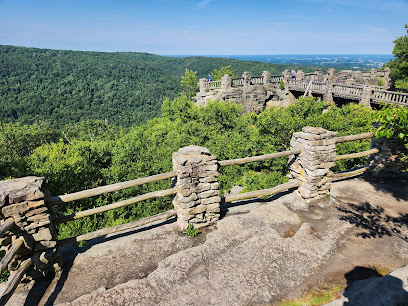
94	153
125	88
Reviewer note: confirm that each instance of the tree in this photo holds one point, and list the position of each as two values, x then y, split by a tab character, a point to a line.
399	66
218	74
189	83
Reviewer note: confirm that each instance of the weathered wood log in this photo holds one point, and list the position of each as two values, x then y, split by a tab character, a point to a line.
97	210
14	281
245	160
110	230
262	193
354	137
6	226
62	199
350	173
15	247
356	155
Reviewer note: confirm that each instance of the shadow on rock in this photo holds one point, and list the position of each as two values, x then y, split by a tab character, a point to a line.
397	187
366	287
46	291
374	221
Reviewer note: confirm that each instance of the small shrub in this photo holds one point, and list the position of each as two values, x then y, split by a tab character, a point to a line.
191	231
281	85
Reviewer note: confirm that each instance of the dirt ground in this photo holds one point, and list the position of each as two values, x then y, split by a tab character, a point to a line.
259	253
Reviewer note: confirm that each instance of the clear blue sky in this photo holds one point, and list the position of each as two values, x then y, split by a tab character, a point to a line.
206	26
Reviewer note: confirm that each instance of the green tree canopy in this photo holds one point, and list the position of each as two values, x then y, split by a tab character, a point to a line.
218	74
399	65
189	83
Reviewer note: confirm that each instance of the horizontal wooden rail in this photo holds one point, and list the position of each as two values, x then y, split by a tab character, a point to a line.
62	199
15	247
354	137
14	281
96	210
110	230
350	173
356	155
246	160
6	226
262	193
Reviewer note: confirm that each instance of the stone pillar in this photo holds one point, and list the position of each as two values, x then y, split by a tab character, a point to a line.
226	82
197	200
373	76
286	80
202	82
300	75
286	76
387	163
247	78
328	96
312	166
387	79
266	78
366	96
23	199
319	75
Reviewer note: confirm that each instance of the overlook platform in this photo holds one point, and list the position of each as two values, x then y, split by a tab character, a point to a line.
260	252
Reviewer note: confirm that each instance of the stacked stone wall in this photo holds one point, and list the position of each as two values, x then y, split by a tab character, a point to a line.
197	200
312	166
24	201
387	163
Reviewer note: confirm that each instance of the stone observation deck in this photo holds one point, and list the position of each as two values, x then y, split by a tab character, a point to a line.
347	84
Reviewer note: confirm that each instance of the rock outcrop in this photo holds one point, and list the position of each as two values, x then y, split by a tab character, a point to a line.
253	98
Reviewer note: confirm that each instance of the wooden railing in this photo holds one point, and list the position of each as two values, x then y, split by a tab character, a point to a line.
63	199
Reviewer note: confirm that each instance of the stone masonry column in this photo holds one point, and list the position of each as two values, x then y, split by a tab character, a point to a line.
286	79
23	199
247	78
266	78
300	75
328	96
387	78
312	166
366	96
387	163
319	75
226	82
197	200
373	76
202	82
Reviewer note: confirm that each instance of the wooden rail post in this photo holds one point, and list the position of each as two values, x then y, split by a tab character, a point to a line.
197	201
33	235
312	166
